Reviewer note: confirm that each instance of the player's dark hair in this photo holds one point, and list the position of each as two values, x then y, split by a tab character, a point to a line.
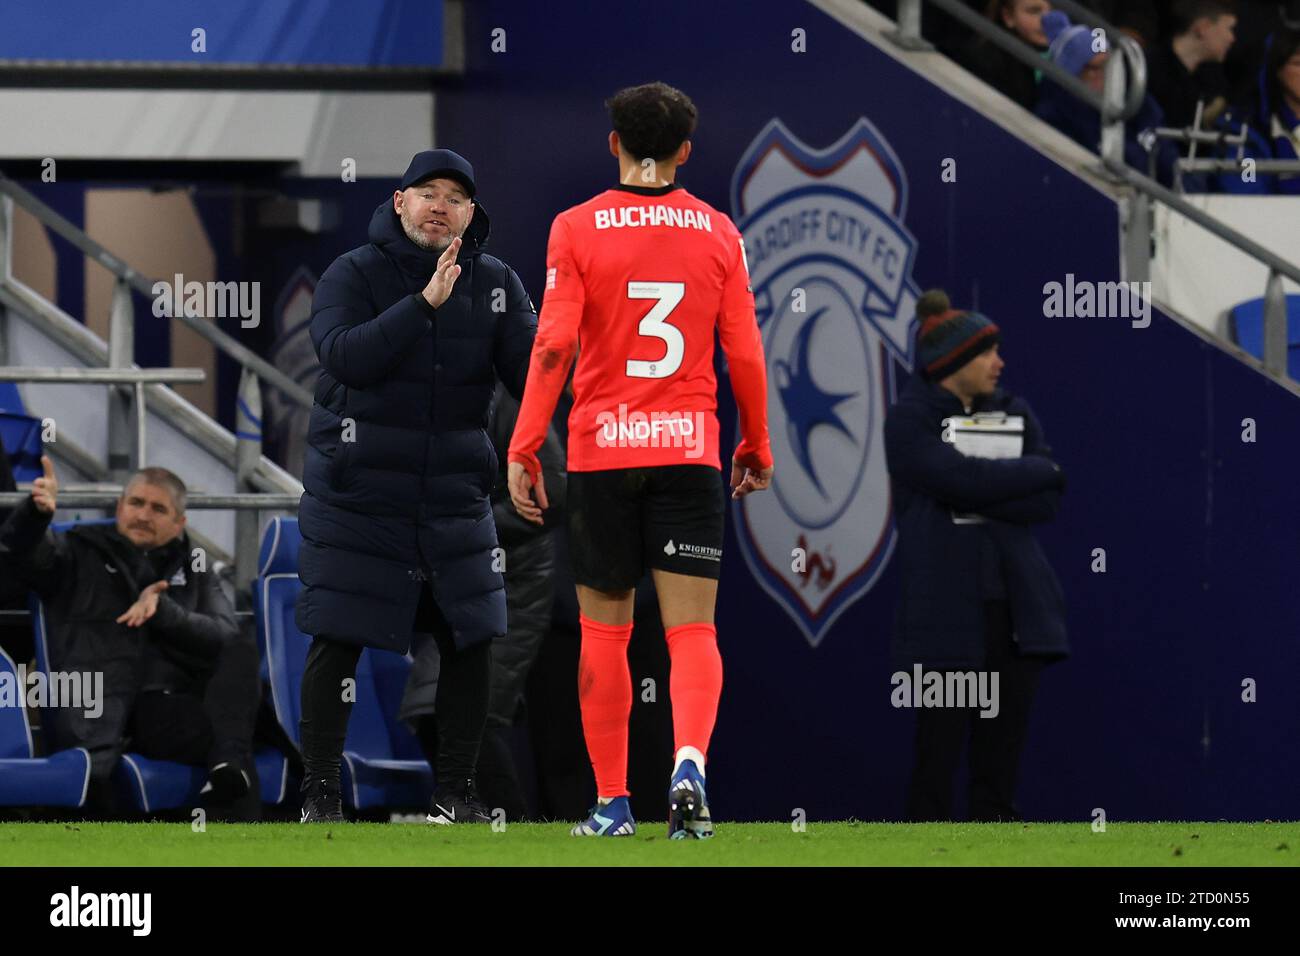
652	120
1183	13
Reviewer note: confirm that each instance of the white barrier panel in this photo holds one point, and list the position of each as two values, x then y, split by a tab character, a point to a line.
1199	275
317	130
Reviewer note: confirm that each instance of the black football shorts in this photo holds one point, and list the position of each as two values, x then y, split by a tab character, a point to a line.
626	520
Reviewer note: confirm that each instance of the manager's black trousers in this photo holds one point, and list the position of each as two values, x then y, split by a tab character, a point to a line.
995	743
461	703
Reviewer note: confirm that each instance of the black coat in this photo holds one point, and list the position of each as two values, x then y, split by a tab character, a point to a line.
406	500
1178	91
529	561
940	619
86	578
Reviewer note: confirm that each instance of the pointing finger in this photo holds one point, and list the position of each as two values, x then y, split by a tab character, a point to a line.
449	254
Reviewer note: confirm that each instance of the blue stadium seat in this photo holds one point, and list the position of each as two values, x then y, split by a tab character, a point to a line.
382	766
146	785
59	780
1246	326
11	400
21	436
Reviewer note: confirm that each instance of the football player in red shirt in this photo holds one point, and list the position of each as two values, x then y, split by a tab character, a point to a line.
643	275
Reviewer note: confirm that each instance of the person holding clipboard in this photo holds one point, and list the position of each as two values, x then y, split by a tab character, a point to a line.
971	475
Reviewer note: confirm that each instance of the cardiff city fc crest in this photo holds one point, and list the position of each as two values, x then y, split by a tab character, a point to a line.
830	263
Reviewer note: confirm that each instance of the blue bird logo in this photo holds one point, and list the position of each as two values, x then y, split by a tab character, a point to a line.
807	405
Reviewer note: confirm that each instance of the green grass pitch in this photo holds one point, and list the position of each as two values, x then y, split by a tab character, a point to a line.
736	844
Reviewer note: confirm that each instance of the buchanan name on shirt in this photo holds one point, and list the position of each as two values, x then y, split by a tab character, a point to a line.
619	217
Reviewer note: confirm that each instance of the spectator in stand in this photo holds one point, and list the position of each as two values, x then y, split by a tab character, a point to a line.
1076	49
1274	119
1019	18
1187	68
1257	20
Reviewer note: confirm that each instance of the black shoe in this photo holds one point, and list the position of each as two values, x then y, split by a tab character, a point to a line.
321	802
226	783
458	803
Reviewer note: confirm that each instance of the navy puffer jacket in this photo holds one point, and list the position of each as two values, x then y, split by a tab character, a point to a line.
940	618
399	465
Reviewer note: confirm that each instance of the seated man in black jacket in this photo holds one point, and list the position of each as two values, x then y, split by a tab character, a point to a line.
134	602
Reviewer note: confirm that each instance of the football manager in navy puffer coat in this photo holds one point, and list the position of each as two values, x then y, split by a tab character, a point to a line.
412	331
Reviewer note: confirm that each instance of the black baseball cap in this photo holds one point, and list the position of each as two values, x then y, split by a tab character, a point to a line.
439	163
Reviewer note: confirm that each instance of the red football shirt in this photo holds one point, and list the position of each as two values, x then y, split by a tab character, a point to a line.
640	278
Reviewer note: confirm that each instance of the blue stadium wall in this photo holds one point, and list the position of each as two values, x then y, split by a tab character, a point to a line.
1146	719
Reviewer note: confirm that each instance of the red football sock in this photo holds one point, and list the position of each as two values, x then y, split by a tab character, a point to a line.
605	694
694	684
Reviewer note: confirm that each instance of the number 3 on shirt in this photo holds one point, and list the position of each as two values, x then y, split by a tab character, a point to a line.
656	325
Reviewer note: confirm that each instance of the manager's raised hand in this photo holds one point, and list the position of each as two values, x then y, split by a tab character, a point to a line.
444	277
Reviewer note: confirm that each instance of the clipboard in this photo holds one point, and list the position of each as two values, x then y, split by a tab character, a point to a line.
993	435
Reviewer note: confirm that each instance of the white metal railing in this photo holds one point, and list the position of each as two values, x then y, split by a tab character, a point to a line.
108	497
1193	136
137	377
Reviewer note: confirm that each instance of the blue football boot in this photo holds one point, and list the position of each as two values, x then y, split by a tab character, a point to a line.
614	819
688	807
